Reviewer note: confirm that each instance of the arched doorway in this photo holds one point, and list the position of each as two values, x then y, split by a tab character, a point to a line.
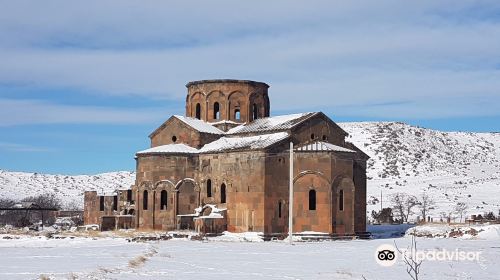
223	193
188	197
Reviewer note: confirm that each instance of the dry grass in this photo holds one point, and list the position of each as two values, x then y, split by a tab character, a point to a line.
137	262
113	233
124	234
90	233
105	270
140	260
44	277
151	253
86	234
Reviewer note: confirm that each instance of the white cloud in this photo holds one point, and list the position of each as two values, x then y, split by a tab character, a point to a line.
429	59
14	147
23	112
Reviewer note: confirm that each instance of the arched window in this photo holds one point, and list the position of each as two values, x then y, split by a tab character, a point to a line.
223	193
312	200
145	200
198	111
163	200
341	200
209	188
255	112
129	195
237	114
101	203
216	110
279	209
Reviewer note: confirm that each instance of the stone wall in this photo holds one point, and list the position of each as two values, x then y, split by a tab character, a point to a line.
315	171
276	193
98	206
360	201
239	173
318	128
91	208
256	187
157	173
231	95
242	174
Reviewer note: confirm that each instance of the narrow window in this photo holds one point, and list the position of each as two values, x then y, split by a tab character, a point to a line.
216	111
145	200
129	195
101	203
237	114
325	137
163	203
174	138
198	111
279	209
223	193
341	200
209	188
312	136
115	203
255	112
312	200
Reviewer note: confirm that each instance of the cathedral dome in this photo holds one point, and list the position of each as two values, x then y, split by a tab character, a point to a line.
227	100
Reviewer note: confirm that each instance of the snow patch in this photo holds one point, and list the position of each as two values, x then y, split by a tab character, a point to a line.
200	125
271	124
171	149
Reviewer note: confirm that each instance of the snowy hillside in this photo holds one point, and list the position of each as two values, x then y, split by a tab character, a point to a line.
18	185
450	166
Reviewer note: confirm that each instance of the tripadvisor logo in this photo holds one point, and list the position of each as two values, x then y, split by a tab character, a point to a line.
385	255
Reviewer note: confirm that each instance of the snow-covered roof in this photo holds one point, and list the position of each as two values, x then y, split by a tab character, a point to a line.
272	123
248	142
200	125
220	145
224	122
170	149
320	146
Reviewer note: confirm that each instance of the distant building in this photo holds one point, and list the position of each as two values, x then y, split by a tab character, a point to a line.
229	154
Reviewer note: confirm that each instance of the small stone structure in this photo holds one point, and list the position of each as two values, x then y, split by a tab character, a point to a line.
110	211
228	152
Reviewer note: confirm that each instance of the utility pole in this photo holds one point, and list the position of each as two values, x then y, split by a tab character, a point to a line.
290	197
381	207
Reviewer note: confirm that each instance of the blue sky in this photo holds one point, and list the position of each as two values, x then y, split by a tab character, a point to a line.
83	84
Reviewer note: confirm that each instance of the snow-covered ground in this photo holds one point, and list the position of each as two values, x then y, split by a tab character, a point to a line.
115	258
450	166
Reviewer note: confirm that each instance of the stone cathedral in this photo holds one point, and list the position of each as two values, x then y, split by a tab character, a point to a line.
225	166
